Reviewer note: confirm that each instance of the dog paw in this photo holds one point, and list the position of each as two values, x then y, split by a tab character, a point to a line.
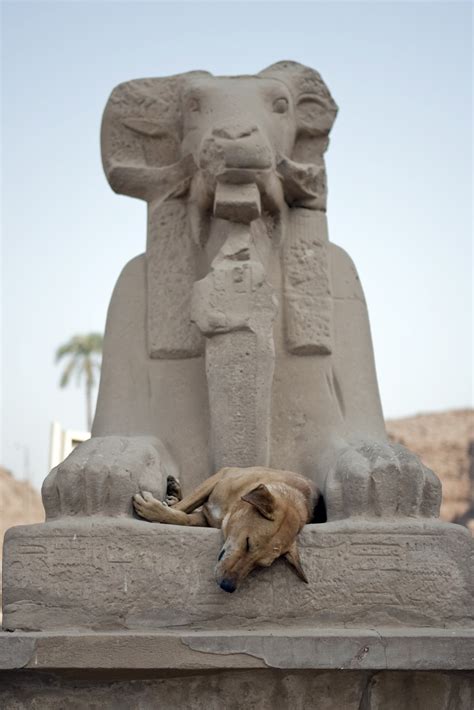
149	507
156	511
381	480
171	500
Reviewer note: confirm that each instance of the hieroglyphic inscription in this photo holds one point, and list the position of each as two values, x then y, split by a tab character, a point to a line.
136	574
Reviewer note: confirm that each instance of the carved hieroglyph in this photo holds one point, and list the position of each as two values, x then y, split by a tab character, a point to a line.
127	574
234	307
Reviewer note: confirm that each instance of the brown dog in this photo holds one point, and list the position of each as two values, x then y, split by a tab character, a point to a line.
260	511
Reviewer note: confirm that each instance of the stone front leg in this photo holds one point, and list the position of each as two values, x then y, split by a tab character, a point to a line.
102	474
380	480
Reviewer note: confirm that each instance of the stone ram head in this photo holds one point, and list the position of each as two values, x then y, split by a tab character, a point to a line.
162	137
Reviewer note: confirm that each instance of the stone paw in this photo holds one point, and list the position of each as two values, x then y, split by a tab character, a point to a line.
100	476
381	480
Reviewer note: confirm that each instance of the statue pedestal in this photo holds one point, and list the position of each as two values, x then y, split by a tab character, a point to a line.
124	613
328	669
125	574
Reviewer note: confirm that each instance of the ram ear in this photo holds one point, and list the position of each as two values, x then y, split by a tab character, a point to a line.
293	558
314	106
315	109
262	500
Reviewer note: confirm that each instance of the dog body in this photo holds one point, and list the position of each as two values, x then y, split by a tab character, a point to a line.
260	510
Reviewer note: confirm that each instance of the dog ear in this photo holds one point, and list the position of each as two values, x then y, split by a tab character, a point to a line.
293	558
262	499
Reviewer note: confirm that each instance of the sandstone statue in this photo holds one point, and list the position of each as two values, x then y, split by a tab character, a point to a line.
241	337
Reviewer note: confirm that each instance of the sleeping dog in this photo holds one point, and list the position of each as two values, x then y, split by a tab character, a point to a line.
260	510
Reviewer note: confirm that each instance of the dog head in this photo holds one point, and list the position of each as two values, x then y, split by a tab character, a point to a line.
260	527
197	128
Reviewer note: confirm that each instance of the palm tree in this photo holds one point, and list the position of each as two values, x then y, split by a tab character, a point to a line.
85	353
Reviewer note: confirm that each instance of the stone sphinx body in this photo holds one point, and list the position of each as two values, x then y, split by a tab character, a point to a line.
241	337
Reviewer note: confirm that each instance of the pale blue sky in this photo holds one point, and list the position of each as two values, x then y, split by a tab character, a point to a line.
399	170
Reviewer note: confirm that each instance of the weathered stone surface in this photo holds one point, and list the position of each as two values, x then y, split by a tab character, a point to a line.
128	574
332	669
171	272
381	480
237	203
307	285
100	476
234	307
393	691
289	648
262	689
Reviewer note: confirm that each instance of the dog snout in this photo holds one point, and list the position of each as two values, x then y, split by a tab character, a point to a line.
228	585
233	132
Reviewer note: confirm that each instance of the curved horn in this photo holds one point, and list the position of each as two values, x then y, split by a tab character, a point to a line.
304	184
149	183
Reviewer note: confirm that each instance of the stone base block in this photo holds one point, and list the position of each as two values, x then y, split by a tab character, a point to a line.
97	573
383	669
227	690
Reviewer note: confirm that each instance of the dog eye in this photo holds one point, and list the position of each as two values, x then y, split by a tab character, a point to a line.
280	105
247	545
221	554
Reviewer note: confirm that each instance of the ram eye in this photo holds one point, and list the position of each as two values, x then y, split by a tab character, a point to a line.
193	105
247	545
280	105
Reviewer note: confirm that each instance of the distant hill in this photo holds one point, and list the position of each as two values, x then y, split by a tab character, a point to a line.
445	442
20	503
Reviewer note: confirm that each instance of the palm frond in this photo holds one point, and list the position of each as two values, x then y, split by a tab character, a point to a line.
85	352
68	371
81	345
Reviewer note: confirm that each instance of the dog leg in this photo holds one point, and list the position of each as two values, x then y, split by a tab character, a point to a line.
155	511
201	494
